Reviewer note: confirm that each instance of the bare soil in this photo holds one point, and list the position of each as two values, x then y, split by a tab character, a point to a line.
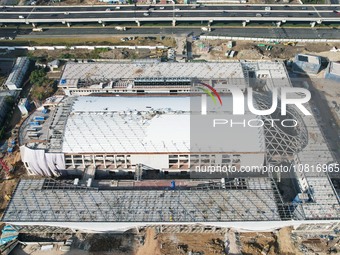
182	243
151	245
249	50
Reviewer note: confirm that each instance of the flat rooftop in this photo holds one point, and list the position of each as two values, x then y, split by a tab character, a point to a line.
34	202
145	125
309	58
335	68
105	71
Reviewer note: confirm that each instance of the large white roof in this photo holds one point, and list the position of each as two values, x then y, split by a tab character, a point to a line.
144	125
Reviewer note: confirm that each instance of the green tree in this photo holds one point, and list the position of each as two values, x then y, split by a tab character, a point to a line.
38	77
9	101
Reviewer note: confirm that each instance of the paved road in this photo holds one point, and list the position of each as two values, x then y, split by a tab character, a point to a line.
124	8
50	14
288	33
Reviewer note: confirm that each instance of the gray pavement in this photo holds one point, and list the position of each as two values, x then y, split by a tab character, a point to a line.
275	33
307	13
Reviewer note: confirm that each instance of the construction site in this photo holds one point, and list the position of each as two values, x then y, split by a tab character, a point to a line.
116	154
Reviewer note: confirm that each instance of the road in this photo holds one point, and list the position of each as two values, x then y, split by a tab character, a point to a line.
140	13
275	33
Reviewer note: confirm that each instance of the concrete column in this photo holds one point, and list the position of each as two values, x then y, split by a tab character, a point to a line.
278	24
173	22
73	161
68	24
101	22
94	160
210	22
138	23
34	25
244	23
82	158
104	160
312	24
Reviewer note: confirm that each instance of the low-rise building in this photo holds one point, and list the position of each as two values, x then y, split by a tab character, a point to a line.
333	71
15	78
306	64
53	65
24	106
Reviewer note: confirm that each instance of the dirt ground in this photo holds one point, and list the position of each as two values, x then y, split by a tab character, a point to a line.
151	245
286	245
6	189
182	243
249	50
271	243
282	242
259	243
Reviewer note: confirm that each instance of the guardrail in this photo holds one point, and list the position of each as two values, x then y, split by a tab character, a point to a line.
264	39
80	47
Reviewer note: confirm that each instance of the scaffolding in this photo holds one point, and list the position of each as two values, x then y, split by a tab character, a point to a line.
57	125
43	201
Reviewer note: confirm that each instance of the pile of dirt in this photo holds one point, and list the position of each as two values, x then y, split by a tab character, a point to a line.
259	243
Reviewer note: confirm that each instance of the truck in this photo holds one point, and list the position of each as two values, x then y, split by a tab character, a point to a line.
34	123
289	43
208	29
39	118
33	129
120	28
37	29
33	134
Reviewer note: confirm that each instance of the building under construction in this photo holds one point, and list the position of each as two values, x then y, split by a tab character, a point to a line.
130	136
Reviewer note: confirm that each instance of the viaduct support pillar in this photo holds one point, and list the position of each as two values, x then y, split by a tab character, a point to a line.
244	23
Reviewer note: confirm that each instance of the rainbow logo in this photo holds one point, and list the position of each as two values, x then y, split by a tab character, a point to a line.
209	90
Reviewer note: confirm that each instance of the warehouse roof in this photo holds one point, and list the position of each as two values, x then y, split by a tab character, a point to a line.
147	125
